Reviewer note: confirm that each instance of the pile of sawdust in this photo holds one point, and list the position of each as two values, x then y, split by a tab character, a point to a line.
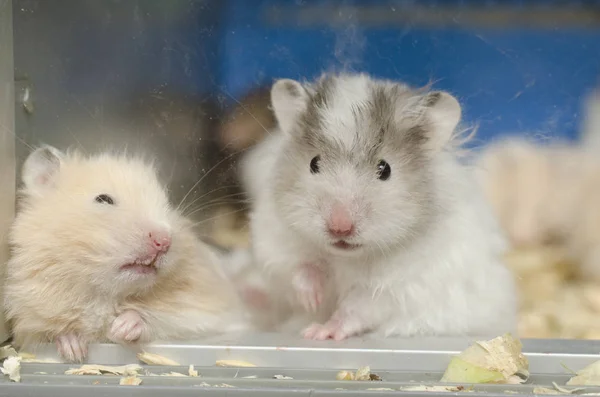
554	301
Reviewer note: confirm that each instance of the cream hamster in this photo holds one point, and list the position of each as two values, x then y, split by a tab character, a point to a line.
362	207
99	254
546	194
527	189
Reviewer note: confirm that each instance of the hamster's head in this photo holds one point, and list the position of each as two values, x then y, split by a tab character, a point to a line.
103	219
356	173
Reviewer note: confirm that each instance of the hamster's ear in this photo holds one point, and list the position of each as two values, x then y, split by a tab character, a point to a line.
442	114
289	99
41	169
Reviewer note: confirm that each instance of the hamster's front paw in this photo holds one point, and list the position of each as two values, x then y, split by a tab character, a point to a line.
332	329
127	327
339	327
309	285
71	347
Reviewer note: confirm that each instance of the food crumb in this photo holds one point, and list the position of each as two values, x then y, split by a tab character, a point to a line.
282	377
192	372
130	381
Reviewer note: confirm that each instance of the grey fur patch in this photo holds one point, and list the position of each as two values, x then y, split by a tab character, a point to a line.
432	98
292	89
377	121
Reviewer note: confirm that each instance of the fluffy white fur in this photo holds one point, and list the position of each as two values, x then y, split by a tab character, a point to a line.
65	281
444	279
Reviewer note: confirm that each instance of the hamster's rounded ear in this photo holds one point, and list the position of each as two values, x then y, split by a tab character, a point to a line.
443	113
41	169
289	99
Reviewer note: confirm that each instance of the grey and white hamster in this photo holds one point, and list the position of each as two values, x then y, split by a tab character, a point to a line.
365	220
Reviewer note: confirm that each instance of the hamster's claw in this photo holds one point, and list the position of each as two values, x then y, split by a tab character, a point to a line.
127	327
71	347
333	329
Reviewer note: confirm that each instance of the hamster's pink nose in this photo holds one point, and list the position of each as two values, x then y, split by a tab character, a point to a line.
160	240
340	222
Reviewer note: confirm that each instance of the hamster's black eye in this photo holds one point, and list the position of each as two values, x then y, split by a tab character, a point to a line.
105	199
383	170
314	164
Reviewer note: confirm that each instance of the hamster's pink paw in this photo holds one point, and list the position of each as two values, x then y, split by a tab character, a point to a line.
309	284
71	347
127	327
333	329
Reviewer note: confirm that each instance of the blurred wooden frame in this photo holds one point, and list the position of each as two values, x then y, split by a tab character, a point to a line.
7	142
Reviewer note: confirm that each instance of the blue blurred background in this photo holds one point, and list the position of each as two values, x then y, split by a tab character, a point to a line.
517	66
511	78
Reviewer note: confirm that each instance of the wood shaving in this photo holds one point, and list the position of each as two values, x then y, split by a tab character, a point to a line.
545	390
363	373
564	390
380	389
204	384
12	368
130	381
443	389
94	369
155	359
588	376
192	372
233	363
7	351
173	373
498	360
557	390
283	377
250	377
345	375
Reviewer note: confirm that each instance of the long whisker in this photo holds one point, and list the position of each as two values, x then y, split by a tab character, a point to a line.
206	194
205	175
216	204
219	216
